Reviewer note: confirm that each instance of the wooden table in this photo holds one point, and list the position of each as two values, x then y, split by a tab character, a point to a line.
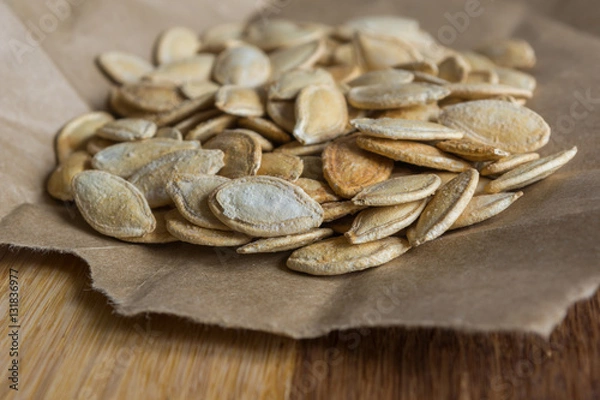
73	346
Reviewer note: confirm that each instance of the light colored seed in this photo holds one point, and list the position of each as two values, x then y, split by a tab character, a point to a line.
448	176
111	205
177	43
413	153
77	132
339	209
313	168
343	54
151	97
192	69
222	36
321	114
337	256
271	34
428	112
298	149
402	189
319	191
242	65
153	177
125	158
200	89
381	97
169	133
419	66
394	128
515	78
382	77
302	56
501	124
59	183
290	83
422	77
189	233
479	91
444	208
284	243
484	207
454	68
184	110
265	206
283	113
239	100
242	153
97	144
281	165
505	164
159	235
478	62
266	128
123	67
381	222
264	144
531	172
211	127
127	129
379	52
511	53
381	25
486	76
190	193
472	151
343	73
349	169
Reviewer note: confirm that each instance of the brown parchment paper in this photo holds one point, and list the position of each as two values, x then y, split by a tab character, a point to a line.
518	271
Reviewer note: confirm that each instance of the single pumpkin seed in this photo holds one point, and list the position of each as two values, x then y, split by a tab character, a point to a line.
402	189
284	243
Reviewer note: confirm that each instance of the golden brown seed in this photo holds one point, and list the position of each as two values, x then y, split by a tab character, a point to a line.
265	206
512	53
152	97
298	149
191	122
349	169
321	114
121	107
283	113
242	153
454	69
193	69
127	129
97	144
125	158
211	127
281	165
123	67
402	189
153	177
413	153
189	233
378	223
319	191
175	44
382	77
184	110
339	209
484	207
337	256
313	168
111	205
505	164
394	128
444	208
77	132
59	183
242	65
290	83
266	128
190	193
159	235
264	144
497	123
381	97
530	172
284	243
239	100
472	151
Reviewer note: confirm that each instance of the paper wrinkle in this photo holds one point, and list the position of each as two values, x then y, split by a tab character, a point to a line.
518	271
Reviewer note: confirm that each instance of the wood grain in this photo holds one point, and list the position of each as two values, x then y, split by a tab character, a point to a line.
73	346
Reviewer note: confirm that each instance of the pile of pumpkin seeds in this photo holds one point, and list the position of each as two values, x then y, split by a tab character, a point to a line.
348	144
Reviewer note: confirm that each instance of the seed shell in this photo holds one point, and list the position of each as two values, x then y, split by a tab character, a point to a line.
284	243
